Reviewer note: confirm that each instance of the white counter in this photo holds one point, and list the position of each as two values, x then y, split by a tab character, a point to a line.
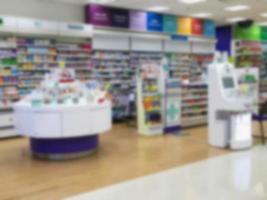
62	121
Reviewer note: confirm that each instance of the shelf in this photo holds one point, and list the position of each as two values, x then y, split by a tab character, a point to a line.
194	111
194	98
194	121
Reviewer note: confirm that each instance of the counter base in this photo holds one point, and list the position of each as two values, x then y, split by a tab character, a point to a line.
64	148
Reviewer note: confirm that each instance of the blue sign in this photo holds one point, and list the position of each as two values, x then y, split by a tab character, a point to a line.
179	38
209	28
154	22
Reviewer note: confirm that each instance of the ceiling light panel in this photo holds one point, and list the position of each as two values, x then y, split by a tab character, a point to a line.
264	14
191	1
235	19
101	1
202	15
237	8
158	8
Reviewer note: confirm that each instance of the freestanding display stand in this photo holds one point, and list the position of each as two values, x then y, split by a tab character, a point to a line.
63	131
171	102
229	109
149	100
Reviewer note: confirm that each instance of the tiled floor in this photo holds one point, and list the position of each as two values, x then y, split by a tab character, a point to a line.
238	175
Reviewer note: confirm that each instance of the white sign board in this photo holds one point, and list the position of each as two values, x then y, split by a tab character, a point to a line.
35	26
75	30
8	24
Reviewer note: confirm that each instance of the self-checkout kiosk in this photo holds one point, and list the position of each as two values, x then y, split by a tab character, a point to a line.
229	110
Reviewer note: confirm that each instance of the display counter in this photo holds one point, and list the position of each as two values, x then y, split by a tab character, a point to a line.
63	131
66	126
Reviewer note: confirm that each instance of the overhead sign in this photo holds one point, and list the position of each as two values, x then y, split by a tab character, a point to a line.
98	15
209	28
119	18
170	24
138	20
197	27
184	26
154	22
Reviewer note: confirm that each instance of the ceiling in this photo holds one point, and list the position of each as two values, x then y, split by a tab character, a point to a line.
215	7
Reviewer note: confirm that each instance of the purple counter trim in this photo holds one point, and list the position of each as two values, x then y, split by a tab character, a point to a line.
173	129
64	145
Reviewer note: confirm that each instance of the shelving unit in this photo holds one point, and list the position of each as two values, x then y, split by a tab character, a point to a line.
35	58
194	104
112	68
263	72
191	69
77	56
248	54
8	85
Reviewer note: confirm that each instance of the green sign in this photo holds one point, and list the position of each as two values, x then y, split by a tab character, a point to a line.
170	24
249	33
264	33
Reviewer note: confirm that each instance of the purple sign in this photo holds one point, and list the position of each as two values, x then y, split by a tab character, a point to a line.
119	18
98	15
138	20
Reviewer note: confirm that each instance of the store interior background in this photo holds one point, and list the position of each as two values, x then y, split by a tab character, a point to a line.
123	155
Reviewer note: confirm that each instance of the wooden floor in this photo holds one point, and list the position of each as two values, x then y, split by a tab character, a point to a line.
123	155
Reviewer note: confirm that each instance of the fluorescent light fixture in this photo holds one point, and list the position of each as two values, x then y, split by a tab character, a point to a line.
235	19
262	23
202	15
191	1
101	1
158	8
237	8
264	14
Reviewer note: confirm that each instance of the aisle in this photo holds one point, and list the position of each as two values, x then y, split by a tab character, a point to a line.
240	175
123	155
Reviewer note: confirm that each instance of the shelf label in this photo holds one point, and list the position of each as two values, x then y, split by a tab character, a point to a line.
169	24
76	27
179	38
138	20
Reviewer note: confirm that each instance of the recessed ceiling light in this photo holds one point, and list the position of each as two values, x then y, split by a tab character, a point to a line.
158	8
235	19
191	1
202	15
101	1
264	14
237	8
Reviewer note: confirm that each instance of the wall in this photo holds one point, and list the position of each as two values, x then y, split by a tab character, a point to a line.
43	9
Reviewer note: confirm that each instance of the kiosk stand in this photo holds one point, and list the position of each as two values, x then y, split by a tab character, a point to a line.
229	109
